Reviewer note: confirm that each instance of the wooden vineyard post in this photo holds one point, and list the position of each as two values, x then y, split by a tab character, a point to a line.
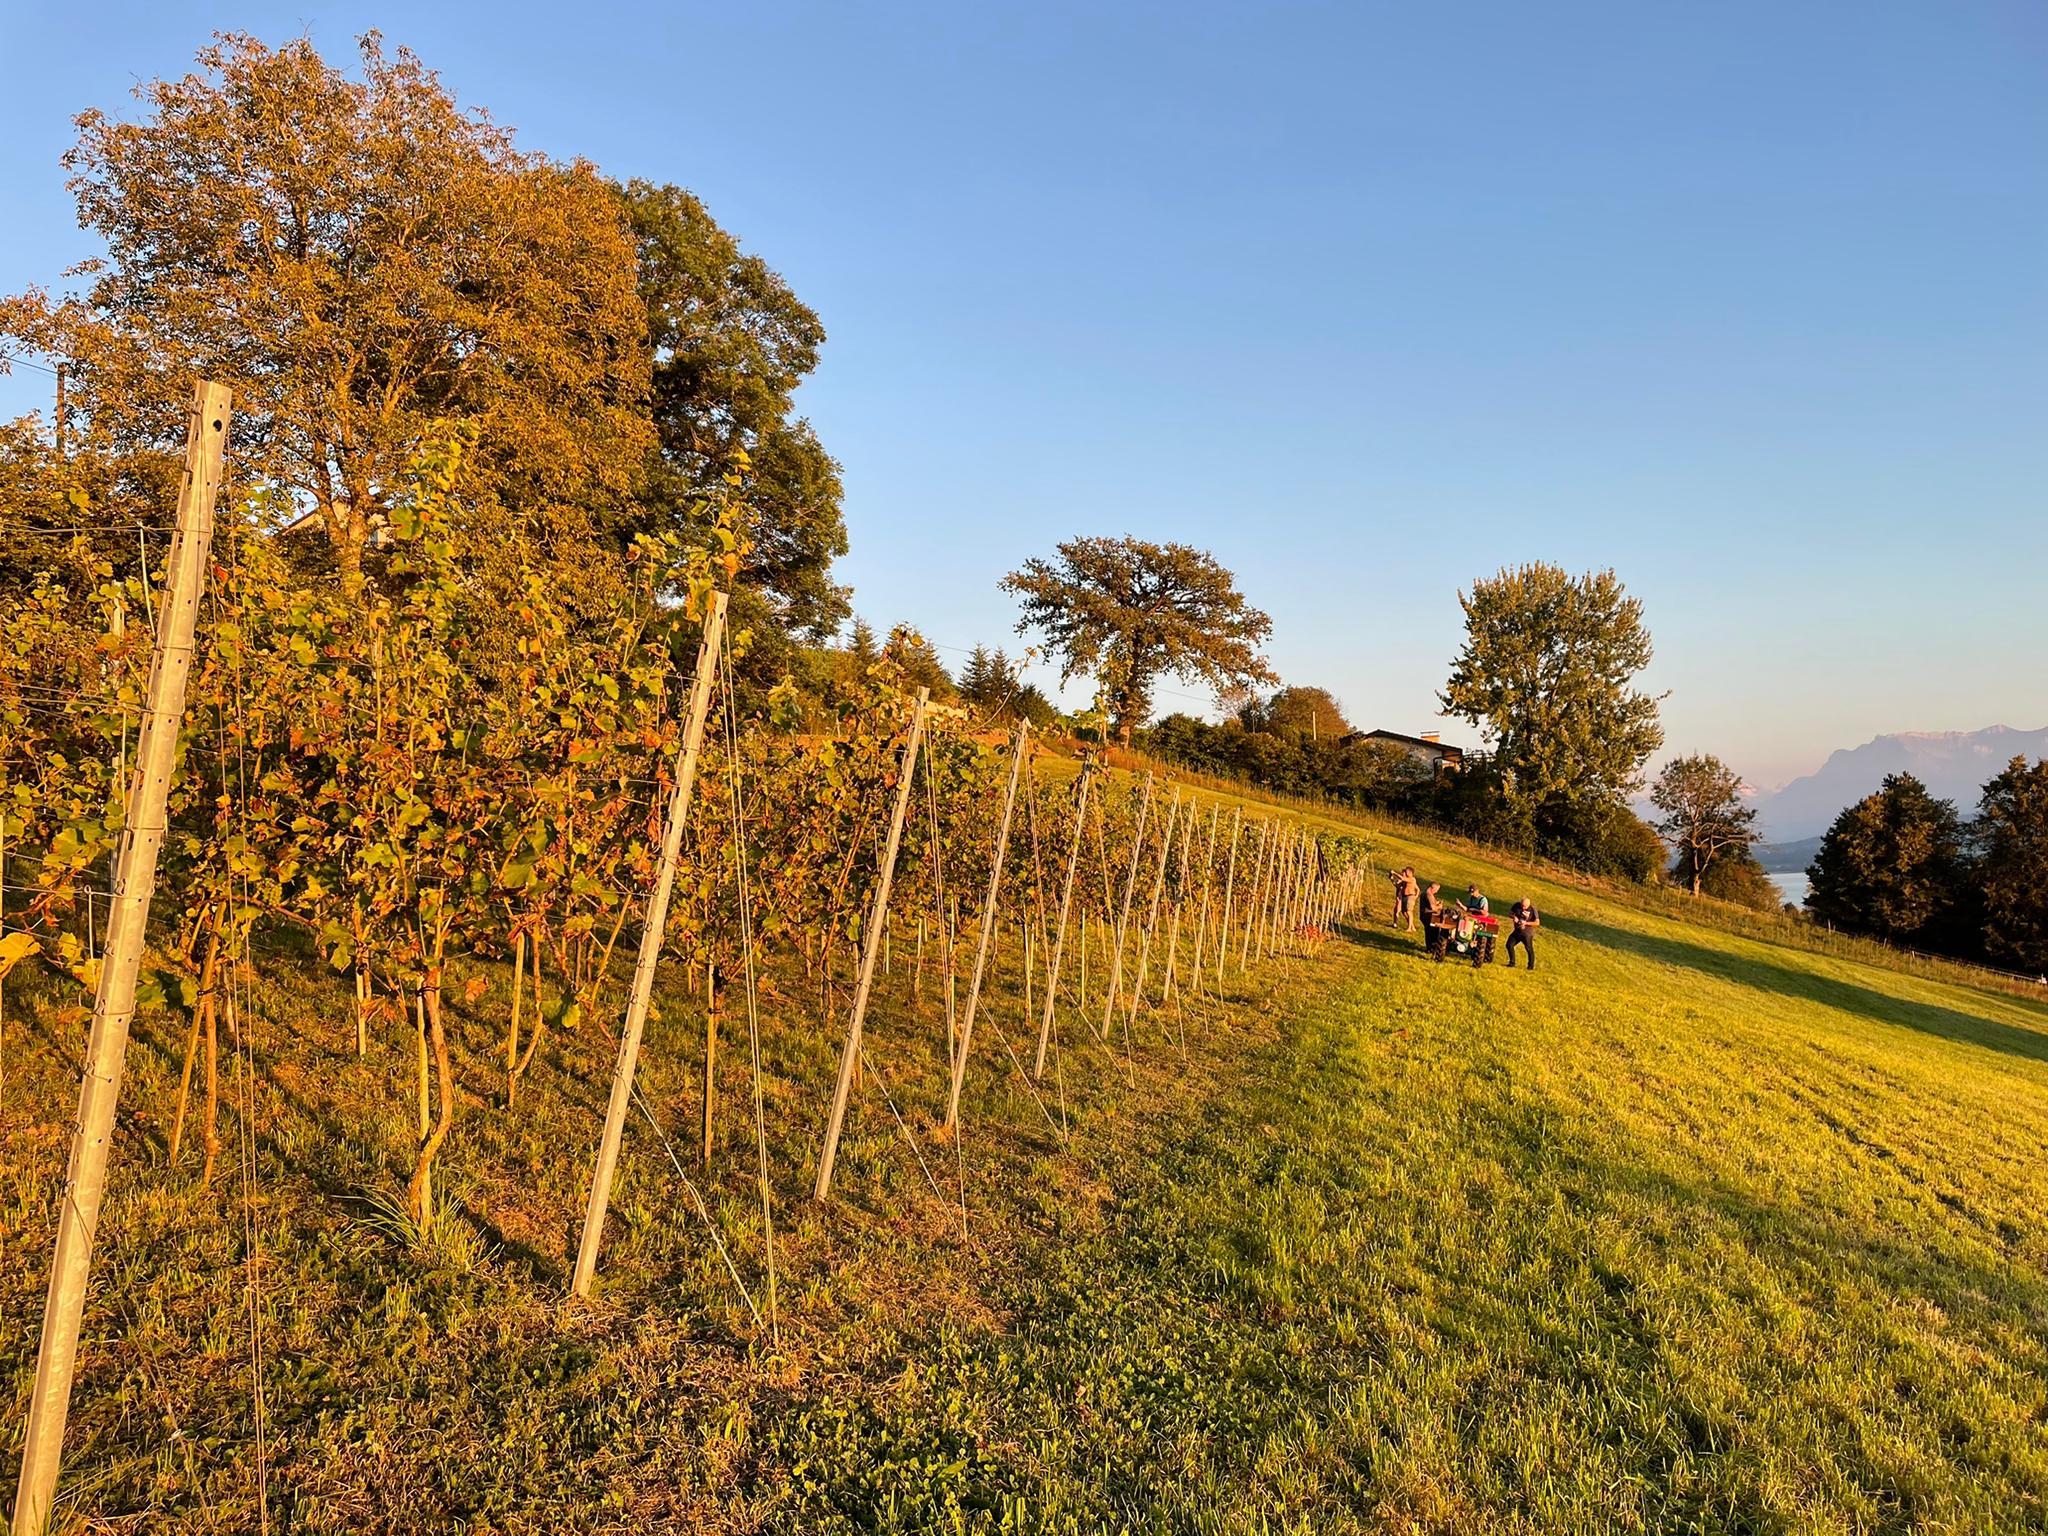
1116	958
1229	891
849	1056
1262	908
113	1008
1276	883
988	928
1059	937
1208	885
1276	898
1251	905
652	933
1152	917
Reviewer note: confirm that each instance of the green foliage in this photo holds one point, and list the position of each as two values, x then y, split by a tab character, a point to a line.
1130	612
918	661
1369	773
731	344
2011	834
1297	711
1602	837
1546	672
1892	866
1735	875
1704	816
994	685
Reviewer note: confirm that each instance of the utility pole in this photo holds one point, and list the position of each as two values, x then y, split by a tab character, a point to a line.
60	410
871	943
651	935
113	1006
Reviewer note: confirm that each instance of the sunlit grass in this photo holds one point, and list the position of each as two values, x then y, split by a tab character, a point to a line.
1683	1231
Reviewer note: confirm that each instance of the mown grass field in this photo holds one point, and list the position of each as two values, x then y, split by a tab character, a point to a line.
1683	1232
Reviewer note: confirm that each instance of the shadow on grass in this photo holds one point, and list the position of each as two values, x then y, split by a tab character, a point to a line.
1372	935
1791	981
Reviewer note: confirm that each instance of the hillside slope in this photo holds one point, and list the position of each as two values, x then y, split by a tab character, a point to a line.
1684	1231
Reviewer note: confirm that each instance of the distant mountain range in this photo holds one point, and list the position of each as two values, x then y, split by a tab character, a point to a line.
1952	764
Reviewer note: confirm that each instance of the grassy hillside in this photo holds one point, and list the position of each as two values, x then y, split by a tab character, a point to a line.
1684	1231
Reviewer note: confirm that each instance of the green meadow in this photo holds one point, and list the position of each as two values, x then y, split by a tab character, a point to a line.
1684	1231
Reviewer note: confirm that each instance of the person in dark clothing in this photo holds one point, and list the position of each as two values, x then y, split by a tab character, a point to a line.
1432	907
1523	915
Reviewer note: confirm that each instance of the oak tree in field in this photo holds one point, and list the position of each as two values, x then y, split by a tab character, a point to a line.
1892	865
731	343
355	256
1548	674
2011	833
1704	815
1130	612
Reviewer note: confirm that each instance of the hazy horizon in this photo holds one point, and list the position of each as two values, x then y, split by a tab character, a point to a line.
1748	304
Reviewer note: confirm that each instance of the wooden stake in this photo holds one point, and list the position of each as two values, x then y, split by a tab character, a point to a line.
1208	881
363	992
200	1011
1123	918
835	1118
1152	918
988	928
1229	890
652	933
711	1013
1251	914
1059	941
518	995
78	1212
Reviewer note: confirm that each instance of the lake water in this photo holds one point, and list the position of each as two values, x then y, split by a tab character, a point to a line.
1791	885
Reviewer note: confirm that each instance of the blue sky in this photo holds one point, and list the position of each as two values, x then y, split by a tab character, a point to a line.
1748	301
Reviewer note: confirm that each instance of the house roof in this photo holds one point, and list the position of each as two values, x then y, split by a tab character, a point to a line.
1410	741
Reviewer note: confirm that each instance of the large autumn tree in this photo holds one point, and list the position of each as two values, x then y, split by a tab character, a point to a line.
1548	673
356	256
731	342
1130	612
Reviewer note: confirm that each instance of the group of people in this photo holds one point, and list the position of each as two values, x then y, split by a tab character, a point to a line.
1444	920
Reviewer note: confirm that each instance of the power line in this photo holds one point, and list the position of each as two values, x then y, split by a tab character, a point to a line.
16	357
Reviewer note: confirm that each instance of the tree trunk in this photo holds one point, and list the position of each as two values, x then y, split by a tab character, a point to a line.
512	1030
419	1195
540	1024
209	1138
711	1012
200	1013
363	989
